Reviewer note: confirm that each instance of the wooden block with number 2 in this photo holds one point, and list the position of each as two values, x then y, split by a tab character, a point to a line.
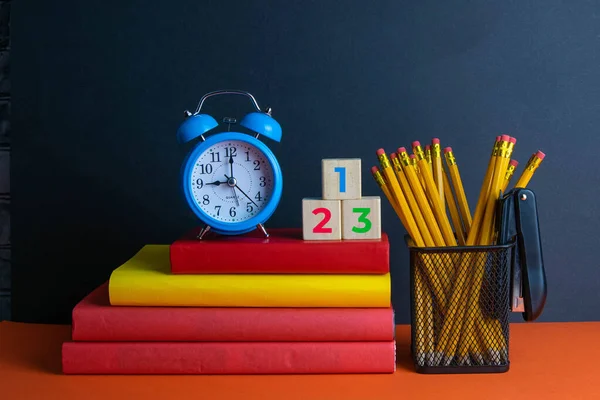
321	219
361	219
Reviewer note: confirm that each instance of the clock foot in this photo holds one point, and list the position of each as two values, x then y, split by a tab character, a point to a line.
262	228
203	232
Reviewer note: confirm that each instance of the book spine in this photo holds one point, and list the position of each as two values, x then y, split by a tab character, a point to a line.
228	358
148	288
323	258
173	324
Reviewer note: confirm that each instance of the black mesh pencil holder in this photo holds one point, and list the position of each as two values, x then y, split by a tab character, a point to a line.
460	308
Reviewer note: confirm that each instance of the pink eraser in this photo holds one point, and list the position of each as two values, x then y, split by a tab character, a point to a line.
416	143
514	163
504	138
540	155
513	140
497	138
447	150
401	150
435	140
427	147
413	156
374	170
380	152
393	155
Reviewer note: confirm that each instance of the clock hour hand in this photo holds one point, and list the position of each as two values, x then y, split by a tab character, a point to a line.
216	183
248	197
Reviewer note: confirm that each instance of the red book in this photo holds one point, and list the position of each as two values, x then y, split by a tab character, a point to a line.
283	252
228	358
94	319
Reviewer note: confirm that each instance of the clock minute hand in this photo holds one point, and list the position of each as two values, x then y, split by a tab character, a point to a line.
244	193
231	163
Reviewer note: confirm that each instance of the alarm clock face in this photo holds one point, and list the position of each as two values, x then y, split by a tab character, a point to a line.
231	181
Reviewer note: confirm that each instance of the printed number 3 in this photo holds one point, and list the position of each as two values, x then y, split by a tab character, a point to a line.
320	228
362	218
342	172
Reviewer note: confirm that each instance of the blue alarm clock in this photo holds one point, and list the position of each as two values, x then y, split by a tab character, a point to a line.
231	180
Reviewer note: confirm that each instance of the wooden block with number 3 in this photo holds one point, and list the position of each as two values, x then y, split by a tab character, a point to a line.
361	219
341	178
321	219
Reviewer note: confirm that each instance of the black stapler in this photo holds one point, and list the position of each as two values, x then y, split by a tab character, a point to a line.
518	222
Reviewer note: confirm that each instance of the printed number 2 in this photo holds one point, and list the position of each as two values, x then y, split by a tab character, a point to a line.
362	218
342	172
320	228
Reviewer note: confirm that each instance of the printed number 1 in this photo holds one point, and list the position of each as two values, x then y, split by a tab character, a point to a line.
362	218
320	227
342	172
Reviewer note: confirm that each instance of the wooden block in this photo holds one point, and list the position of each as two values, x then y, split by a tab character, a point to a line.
321	219
341	178
361	219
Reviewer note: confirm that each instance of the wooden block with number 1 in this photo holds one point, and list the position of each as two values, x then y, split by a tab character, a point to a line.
361	219
321	219
341	178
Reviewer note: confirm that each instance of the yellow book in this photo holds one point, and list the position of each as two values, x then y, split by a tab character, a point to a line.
146	280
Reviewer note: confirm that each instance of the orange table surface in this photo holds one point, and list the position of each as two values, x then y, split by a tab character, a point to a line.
548	361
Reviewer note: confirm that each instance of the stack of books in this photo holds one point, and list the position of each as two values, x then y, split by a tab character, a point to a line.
240	305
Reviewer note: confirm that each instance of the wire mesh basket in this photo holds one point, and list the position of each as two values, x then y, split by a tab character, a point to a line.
460	308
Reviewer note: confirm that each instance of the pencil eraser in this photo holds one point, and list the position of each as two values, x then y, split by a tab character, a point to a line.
427	147
497	138
504	138
513	140
514	163
435	140
401	150
374	170
380	152
540	155
393	155
413	156
447	150
416	143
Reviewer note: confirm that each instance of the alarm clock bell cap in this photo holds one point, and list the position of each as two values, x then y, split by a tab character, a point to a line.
263	124
195	126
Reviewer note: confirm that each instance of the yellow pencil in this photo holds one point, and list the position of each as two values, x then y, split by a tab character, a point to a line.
386	191
461	198
473	232
532	165
454	214
510	171
442	288
428	157
412	202
458	303
433	195
421	198
438	175
398	196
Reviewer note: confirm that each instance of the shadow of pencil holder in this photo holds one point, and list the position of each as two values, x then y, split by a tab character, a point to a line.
460	308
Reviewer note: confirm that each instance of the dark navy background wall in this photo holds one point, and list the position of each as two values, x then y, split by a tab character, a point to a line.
99	89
